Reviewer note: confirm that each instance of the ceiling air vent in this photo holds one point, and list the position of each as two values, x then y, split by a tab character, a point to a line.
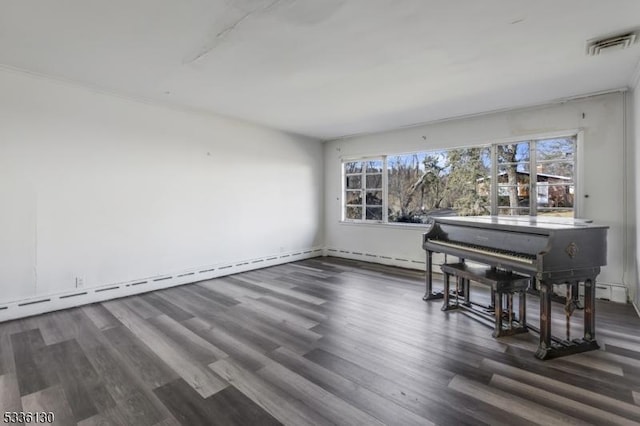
616	42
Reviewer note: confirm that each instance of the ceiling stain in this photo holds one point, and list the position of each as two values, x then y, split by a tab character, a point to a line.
221	35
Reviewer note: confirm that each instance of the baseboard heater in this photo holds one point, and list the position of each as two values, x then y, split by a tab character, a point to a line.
77	297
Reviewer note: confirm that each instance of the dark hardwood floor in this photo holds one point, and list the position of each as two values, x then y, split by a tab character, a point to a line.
321	341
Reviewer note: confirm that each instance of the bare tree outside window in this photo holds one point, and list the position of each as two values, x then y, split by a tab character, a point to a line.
437	183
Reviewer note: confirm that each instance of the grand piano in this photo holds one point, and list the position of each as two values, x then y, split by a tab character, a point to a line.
550	250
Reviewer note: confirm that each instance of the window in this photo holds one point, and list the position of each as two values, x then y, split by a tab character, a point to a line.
555	172
363	190
535	177
440	182
513	178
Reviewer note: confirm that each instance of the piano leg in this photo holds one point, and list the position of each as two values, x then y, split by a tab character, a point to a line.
547	349
429	293
545	320
589	310
568	310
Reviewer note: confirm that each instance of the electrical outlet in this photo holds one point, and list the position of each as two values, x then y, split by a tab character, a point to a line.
79	282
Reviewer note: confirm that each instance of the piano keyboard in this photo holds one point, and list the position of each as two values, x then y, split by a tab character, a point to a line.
520	258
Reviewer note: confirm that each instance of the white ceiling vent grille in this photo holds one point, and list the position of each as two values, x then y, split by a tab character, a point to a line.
616	42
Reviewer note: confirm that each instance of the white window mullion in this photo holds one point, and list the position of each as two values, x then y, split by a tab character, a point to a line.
363	190
533	180
494	180
385	190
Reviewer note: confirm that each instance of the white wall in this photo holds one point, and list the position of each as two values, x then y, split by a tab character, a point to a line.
600	164
112	190
634	136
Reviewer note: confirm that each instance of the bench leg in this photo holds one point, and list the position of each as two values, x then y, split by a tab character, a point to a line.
510	329
467	290
492	302
523	309
510	309
497	302
576	296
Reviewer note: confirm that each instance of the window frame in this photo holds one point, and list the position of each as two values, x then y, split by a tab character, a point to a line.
364	189
577	161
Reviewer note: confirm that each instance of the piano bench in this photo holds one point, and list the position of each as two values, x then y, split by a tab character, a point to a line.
503	285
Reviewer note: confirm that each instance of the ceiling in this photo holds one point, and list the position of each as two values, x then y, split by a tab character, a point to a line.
325	68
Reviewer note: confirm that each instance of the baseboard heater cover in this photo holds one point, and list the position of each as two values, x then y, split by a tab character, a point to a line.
48	303
376	258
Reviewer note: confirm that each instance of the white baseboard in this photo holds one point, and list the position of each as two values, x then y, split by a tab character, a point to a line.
636	306
612	292
77	297
377	258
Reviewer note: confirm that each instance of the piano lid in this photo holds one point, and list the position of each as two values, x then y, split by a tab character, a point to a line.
533	224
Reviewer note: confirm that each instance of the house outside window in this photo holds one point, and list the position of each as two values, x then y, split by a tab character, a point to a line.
544	168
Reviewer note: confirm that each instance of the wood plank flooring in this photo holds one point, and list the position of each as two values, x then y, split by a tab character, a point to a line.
320	341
